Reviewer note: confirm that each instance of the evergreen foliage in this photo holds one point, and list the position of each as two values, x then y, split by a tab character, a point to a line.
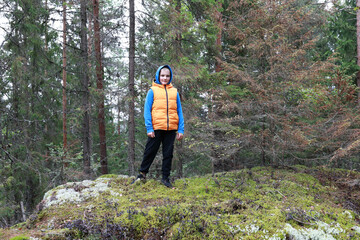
342	36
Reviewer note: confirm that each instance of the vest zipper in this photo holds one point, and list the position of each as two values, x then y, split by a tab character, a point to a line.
167	107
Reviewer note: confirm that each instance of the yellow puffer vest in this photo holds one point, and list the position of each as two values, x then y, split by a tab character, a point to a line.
164	109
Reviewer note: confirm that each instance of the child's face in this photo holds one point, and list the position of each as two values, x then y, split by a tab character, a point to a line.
164	76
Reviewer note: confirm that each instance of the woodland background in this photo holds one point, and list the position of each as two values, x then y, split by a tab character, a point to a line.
262	82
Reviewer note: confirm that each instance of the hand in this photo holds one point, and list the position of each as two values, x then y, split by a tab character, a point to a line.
179	136
151	134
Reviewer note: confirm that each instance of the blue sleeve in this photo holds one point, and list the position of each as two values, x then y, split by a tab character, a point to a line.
147	111
180	114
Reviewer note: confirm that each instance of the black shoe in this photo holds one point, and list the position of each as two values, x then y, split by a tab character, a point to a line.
166	182
140	177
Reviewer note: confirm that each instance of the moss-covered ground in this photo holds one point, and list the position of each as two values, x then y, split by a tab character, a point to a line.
257	203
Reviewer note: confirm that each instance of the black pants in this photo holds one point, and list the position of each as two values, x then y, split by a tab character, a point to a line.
166	138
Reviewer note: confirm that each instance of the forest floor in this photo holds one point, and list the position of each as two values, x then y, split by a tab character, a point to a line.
259	203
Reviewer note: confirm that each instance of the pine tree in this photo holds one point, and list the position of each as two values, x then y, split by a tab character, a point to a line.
100	88
85	89
358	46
64	78
30	115
131	126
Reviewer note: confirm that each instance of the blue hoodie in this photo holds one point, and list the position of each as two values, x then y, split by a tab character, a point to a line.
150	100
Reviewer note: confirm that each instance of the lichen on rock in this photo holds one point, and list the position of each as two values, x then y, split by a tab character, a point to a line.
323	232
77	192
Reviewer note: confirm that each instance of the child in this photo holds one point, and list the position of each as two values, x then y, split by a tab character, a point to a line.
163	117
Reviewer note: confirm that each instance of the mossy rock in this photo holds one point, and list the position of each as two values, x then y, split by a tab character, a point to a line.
20	237
257	203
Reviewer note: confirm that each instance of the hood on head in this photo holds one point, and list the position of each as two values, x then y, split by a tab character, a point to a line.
157	79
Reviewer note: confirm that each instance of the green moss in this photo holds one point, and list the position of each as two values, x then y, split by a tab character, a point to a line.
19	225
57	234
252	203
108	176
20	237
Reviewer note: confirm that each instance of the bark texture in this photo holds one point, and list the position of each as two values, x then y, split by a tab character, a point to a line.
100	88
131	146
85	89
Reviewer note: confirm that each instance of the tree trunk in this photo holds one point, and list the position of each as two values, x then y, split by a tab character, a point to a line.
64	78
218	36
90	41
131	146
99	84
119	115
178	33
23	214
178	50
358	45
85	87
